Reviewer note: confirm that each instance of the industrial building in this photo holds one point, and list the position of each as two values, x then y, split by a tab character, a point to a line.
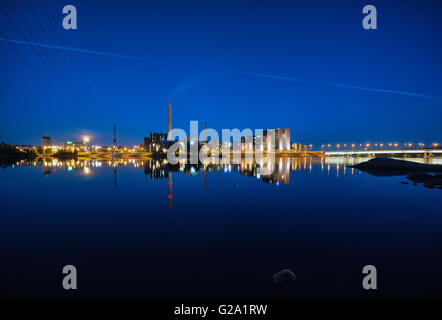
158	141
46	142
282	139
281	144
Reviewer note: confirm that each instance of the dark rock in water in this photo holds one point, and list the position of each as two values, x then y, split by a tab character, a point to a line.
429	180
390	167
404	182
419	177
284	278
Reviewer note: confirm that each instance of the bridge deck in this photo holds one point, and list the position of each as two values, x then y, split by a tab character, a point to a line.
390	151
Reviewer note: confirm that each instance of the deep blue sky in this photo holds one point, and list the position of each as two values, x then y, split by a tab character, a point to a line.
191	51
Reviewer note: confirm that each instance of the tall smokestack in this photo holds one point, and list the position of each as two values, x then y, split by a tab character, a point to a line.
170	116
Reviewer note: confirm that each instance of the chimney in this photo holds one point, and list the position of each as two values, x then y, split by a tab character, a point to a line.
170	116
205	130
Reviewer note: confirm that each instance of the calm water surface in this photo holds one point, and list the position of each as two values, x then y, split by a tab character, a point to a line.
143	229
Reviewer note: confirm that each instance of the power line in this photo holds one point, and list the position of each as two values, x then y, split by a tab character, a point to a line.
53	67
60	38
59	55
35	69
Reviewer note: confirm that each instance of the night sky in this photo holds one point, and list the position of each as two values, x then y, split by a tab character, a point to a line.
308	66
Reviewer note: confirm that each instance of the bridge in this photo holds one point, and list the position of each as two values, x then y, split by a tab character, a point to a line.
373	152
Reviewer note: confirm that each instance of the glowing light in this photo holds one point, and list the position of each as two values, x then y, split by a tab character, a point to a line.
86	139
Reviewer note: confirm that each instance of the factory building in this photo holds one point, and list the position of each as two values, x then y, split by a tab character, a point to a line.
158	141
155	142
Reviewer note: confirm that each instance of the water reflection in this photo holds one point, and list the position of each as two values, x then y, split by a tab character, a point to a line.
161	169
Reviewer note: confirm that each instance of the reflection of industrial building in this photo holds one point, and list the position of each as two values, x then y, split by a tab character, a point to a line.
170	190
281	174
46	142
156	169
281	169
47	170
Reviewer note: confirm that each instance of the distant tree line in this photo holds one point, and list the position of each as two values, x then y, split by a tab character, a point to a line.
11	151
